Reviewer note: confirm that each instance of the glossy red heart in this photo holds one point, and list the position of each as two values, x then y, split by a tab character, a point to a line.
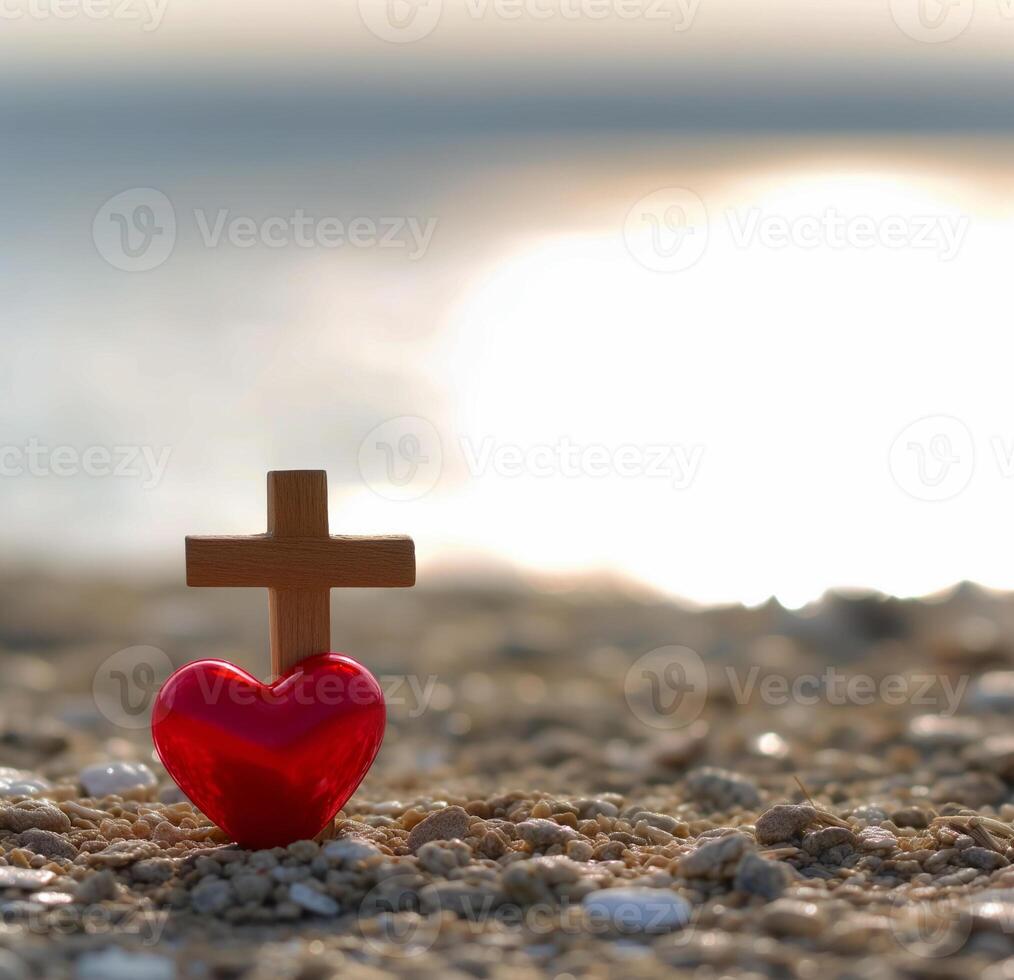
269	763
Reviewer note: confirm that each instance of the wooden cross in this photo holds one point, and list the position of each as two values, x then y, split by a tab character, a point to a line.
299	562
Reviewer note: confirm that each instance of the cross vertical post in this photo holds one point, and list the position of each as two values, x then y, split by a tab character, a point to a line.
300	619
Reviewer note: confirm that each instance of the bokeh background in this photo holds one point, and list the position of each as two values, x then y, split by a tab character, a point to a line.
711	297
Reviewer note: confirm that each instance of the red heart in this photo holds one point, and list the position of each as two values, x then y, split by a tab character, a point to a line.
270	763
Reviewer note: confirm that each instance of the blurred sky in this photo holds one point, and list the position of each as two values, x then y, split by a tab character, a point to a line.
713	296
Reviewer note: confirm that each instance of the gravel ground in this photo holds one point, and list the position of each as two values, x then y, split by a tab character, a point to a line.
819	793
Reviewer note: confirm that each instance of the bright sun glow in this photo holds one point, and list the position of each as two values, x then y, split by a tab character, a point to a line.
777	374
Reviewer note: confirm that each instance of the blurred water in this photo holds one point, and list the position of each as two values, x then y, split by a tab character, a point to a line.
509	310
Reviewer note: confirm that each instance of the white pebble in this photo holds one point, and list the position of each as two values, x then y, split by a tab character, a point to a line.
28	879
312	900
638	909
17	782
115	964
349	850
106	778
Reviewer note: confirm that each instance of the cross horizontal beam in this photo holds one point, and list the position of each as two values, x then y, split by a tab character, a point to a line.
267	561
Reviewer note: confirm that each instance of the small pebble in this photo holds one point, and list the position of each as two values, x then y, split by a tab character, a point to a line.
709	860
541	833
876	839
18	782
312	900
211	896
96	887
33	814
350	850
46	843
251	887
722	789
756	875
638	910
117	964
109	778
783	822
27	879
446	824
794	918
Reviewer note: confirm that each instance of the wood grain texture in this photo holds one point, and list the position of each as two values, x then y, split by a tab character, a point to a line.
297	504
300	625
299	563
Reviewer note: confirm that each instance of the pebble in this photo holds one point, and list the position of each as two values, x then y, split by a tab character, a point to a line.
446	824
939	731
18	782
117	964
973	789
711	859
312	900
252	887
722	789
660	821
876	839
211	896
109	778
588	809
46	843
27	879
869	813
994	691
783	822
818	841
52	898
350	850
983	858
911	816
153	871
33	814
541	833
534	880
96	887
756	875
638	910
794	918
123	852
